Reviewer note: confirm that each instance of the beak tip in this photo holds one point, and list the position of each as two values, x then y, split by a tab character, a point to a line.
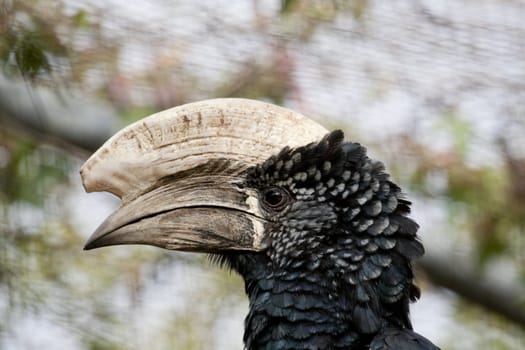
89	245
95	241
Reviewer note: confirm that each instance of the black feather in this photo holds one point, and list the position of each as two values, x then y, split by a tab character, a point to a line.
400	339
336	273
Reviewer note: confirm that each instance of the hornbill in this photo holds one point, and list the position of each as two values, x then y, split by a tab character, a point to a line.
317	230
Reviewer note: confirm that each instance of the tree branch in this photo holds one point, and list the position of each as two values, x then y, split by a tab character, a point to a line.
70	118
506	298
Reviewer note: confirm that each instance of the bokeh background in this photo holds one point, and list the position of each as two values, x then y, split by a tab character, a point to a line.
434	88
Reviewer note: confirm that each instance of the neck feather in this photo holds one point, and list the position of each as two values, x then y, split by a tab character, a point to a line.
295	310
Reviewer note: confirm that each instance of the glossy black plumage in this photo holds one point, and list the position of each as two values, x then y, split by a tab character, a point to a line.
336	270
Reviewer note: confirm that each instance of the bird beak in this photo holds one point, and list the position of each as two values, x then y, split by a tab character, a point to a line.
201	213
180	174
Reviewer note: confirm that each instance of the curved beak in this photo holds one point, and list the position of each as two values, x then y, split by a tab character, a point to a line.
201	212
180	174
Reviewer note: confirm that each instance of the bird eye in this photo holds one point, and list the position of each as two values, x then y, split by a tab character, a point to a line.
275	198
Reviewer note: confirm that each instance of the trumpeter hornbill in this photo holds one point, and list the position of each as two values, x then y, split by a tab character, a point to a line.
316	228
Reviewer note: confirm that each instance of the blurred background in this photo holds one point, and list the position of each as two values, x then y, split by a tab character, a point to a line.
434	88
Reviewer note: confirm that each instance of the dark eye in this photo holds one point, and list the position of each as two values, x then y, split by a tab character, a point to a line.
275	198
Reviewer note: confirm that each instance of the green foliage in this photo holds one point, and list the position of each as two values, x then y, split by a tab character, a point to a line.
81	19
30	170
29	55
483	199
459	129
135	113
37	42
323	10
303	18
28	42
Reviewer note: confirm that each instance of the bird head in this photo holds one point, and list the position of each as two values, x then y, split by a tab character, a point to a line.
229	175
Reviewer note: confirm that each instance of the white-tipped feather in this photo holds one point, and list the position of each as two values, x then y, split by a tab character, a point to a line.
180	138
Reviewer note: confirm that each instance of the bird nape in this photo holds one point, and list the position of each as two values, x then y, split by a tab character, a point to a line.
316	229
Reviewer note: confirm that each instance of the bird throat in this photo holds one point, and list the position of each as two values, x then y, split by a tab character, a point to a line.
295	309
